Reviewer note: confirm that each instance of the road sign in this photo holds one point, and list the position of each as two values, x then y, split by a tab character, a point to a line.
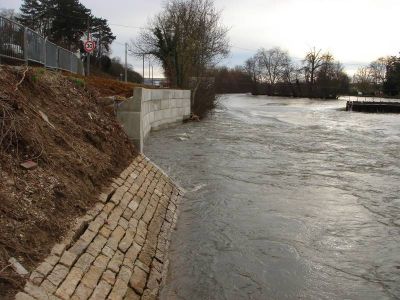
89	46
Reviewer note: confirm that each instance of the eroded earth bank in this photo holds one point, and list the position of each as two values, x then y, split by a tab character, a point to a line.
81	212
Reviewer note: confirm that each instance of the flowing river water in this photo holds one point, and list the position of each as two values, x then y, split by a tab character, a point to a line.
286	199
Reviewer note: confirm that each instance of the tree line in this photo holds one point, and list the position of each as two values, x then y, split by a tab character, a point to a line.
272	72
380	78
318	75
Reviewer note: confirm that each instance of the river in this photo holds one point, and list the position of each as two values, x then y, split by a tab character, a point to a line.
286	199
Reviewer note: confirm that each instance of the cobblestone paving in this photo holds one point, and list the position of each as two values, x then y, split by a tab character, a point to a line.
118	249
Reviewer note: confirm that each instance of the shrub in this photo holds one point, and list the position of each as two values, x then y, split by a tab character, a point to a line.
205	98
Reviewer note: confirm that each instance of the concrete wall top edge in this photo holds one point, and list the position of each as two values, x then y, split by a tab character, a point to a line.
161	94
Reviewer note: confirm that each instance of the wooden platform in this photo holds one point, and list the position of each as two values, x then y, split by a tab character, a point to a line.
373	106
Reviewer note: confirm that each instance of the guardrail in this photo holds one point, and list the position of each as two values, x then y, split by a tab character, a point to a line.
19	43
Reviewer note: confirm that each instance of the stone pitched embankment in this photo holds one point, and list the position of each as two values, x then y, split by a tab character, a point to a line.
118	249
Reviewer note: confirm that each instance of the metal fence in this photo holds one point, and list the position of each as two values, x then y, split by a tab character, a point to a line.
19	43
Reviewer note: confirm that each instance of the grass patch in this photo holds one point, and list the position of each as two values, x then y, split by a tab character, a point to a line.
77	81
34	78
37	74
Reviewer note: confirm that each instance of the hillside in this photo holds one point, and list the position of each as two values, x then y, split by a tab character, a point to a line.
57	122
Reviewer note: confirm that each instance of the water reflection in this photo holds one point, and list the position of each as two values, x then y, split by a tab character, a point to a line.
287	199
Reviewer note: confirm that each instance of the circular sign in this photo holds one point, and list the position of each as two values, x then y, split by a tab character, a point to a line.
89	46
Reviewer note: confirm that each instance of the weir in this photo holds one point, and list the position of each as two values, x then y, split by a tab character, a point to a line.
152	109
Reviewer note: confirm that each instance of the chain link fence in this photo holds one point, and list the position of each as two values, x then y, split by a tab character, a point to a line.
19	43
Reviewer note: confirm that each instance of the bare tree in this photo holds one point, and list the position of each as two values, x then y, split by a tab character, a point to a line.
272	67
187	38
378	70
326	68
370	79
313	61
291	73
363	80
273	64
251	67
323	77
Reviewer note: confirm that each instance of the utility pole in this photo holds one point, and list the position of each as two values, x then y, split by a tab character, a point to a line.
88	53
152	75
126	62
143	68
149	70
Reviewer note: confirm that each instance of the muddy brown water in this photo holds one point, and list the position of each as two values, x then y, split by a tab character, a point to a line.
286	199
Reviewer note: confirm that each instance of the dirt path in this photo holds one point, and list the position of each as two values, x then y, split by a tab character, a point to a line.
118	249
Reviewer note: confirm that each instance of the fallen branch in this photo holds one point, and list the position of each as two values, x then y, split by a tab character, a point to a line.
23	78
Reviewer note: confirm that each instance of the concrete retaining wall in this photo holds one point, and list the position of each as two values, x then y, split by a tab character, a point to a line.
152	109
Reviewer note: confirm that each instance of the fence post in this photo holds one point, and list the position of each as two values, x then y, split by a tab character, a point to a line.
58	58
26	45
1	42
45	52
71	61
126	62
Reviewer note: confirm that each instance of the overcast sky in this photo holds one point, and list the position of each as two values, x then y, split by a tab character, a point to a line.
354	31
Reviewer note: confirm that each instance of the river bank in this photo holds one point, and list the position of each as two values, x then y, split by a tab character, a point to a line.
286	199
59	144
118	249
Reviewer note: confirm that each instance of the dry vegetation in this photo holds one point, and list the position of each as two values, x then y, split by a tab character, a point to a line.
107	86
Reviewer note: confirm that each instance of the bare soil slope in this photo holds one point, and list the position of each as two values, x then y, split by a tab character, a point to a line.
54	121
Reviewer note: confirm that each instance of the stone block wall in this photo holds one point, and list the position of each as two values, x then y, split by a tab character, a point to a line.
152	109
118	250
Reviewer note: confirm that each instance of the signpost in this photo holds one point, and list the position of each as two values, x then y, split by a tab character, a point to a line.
89	47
